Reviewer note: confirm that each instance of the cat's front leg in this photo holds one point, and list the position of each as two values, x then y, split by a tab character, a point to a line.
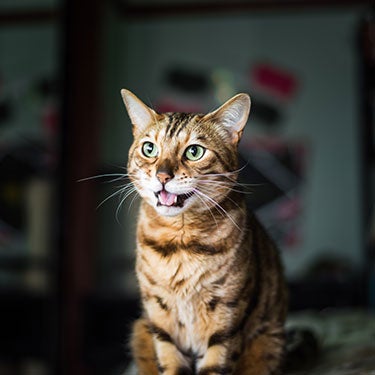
143	349
155	353
215	362
170	361
221	355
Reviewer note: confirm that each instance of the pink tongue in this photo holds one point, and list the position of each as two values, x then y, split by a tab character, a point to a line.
166	199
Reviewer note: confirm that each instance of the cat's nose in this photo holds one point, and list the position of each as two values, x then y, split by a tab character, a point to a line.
164	176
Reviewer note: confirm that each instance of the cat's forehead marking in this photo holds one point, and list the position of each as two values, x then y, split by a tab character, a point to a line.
176	129
177	122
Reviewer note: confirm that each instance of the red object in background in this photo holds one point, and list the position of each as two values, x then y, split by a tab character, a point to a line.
169	105
50	120
275	81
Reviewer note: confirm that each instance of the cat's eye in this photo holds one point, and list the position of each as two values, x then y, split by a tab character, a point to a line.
194	152
149	150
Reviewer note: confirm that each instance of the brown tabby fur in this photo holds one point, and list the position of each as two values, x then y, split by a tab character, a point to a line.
213	293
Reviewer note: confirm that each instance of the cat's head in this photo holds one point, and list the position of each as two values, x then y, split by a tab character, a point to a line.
182	161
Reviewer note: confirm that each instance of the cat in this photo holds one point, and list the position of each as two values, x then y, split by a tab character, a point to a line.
214	298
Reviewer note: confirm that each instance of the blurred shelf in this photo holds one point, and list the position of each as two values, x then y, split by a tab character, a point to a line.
168	8
8	18
23	263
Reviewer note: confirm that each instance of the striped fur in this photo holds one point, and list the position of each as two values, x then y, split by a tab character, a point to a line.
213	293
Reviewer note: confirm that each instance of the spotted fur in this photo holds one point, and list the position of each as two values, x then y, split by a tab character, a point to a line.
213	294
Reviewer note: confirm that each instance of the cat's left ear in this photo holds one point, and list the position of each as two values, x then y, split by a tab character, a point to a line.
140	114
232	115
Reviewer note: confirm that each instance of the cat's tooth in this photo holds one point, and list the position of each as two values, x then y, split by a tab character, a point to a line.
175	199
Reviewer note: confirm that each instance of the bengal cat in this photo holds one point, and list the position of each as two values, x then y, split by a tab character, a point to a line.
212	288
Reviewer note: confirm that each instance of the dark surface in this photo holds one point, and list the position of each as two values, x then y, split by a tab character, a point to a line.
27	321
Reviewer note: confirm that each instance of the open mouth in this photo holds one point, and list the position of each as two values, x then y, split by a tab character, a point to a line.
171	200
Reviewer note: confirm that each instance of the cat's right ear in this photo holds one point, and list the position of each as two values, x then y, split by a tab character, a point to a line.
232	116
140	114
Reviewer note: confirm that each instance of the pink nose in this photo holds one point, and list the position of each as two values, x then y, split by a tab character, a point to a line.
163	177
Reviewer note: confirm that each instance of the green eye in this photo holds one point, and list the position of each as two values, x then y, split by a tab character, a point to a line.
194	152
150	150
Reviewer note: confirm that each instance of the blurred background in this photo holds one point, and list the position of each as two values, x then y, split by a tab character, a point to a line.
67	289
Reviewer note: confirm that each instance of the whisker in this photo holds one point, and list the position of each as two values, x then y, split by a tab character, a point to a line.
117	192
136	196
214	184
130	191
119	176
208	208
123	191
238	183
226	174
218	206
229	185
228	197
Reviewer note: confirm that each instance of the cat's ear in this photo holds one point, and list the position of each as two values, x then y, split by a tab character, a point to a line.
232	115
140	114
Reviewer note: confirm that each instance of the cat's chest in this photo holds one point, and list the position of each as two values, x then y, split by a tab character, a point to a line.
176	293
180	274
191	316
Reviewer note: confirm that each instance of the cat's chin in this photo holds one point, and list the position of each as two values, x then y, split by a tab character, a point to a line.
172	210
169	211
